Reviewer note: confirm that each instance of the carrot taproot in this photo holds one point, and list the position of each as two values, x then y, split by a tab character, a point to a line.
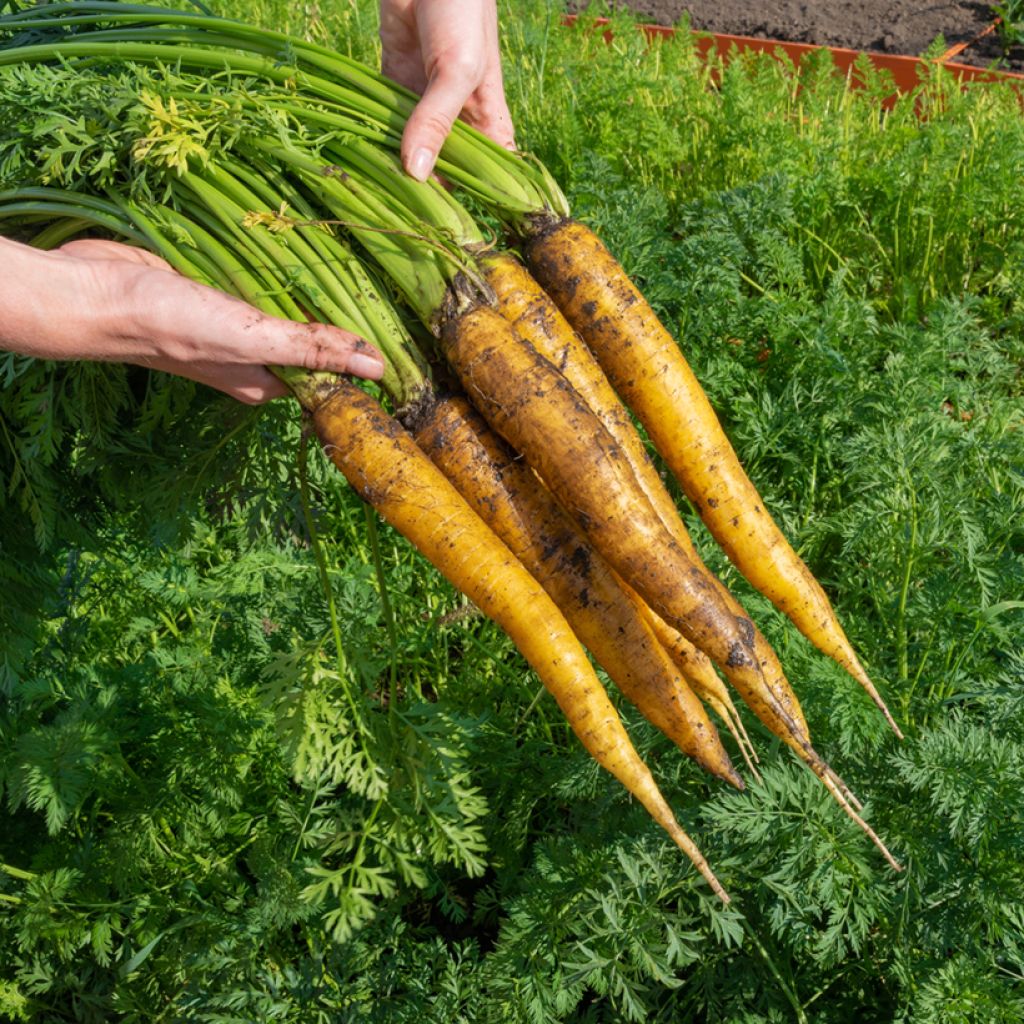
529	403
489	375
774	717
646	367
510	498
704	681
386	468
537	318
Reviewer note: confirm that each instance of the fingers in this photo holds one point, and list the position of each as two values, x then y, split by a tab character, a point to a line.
432	120
449	94
198	332
101	300
487	111
449	50
315	347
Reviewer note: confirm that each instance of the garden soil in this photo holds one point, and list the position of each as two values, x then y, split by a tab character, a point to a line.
886	26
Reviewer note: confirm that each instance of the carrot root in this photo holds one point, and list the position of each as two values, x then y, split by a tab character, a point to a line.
844	789
645	366
857	671
538	319
529	402
733	722
686	844
699	673
388	470
852	814
510	498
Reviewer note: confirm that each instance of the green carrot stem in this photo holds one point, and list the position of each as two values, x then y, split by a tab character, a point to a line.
420	265
277	284
378	318
515	188
39	209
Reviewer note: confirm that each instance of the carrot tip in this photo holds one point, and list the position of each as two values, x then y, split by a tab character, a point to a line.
727	712
881	705
716	886
892	722
750	758
687	845
733	777
842	796
854	667
855	817
844	788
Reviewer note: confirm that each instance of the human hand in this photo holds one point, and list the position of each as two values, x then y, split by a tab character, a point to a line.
97	299
446	50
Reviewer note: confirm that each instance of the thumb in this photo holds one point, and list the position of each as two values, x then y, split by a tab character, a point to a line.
107	249
432	120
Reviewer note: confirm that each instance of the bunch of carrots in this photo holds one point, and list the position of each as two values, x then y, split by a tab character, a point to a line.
267	166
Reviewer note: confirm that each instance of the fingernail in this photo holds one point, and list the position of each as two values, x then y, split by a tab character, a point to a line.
363	365
421	164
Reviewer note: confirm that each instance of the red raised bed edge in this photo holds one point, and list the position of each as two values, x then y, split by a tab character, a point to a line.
904	70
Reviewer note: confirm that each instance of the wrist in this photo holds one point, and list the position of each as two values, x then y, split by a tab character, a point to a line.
54	305
21	303
47	309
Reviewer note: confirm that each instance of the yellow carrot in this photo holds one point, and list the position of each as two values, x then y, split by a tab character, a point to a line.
646	367
384	465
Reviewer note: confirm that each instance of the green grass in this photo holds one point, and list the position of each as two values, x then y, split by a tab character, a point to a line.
1011	24
213	814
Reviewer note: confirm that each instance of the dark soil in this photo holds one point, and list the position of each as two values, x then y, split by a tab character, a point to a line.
887	26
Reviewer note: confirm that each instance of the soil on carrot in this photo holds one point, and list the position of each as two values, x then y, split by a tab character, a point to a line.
885	26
